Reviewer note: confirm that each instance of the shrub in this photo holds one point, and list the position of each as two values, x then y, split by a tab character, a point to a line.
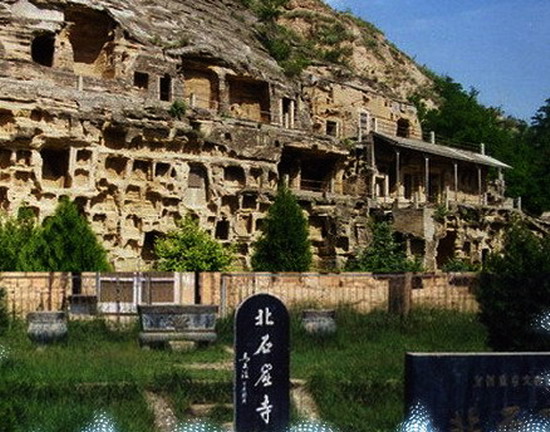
189	248
384	254
178	109
4	314
67	243
460	265
284	245
338	54
295	65
515	290
17	241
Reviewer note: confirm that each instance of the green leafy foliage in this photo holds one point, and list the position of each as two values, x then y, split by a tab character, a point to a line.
178	109
285	46
67	243
293	52
17	241
515	290
64	242
4	314
460	265
266	10
384	254
333	33
189	248
284	245
537	138
460	118
337	55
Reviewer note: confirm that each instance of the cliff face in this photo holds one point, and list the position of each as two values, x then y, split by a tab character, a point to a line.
369	56
144	111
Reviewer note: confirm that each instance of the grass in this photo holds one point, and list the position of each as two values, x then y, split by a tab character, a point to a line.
355	376
99	370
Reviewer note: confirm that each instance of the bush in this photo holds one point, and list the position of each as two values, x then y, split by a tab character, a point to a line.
384	254
189	248
17	241
515	291
4	314
295	65
460	265
178	109
284	245
67	243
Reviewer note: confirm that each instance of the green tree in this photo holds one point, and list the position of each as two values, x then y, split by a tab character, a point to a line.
17	241
384	254
284	245
515	291
67	243
460	118
537	197
189	248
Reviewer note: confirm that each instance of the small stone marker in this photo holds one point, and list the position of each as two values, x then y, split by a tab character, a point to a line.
478	392
262	352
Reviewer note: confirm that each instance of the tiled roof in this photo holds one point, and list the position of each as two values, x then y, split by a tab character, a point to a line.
441	150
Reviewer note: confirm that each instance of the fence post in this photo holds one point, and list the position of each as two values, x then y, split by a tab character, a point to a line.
400	290
223	297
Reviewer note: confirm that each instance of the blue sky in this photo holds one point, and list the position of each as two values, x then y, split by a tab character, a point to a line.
500	47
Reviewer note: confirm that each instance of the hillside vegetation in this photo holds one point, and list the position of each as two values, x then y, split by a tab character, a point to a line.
302	34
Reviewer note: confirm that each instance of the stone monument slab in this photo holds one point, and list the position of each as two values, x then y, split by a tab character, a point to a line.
262	353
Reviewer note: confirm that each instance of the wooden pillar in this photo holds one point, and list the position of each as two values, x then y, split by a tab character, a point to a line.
456	180
397	175
479	184
400	293
427	178
373	167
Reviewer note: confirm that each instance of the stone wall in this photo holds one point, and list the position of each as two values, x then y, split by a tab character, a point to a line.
364	292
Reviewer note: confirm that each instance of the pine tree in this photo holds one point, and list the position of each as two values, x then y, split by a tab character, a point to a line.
384	254
67	243
189	248
284	245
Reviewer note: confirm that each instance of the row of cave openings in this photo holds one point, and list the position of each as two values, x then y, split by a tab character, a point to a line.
302	170
56	170
87	42
91	36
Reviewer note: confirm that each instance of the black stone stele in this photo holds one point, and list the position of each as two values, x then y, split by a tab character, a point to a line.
262	352
477	391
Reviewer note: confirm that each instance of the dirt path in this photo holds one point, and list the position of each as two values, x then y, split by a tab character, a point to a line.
165	419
